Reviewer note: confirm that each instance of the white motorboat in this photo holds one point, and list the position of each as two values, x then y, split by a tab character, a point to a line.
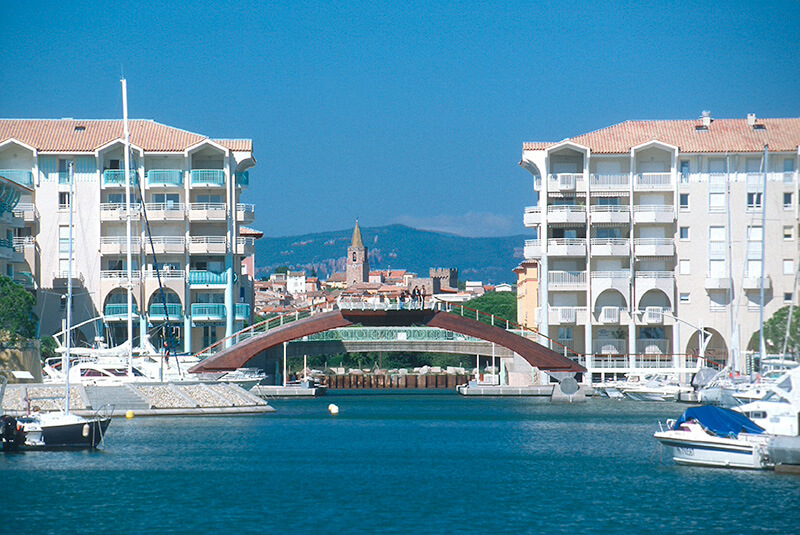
659	387
714	436
778	412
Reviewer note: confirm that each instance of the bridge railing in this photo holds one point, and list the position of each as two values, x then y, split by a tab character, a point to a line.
377	303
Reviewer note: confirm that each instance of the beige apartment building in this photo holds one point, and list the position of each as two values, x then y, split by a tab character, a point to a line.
649	231
185	219
16	216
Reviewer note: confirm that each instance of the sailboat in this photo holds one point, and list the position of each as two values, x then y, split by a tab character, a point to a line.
64	429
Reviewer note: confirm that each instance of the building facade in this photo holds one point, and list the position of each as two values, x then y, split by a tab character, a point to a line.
185	217
648	232
16	218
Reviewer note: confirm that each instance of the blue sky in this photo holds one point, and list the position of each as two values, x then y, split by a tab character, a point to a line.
398	112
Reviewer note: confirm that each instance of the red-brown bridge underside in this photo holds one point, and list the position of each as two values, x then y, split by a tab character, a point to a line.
536	354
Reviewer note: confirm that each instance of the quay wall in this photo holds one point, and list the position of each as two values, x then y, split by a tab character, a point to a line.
27	358
382	381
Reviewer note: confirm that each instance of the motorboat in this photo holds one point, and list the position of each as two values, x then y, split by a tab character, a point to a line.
55	430
715	436
778	412
658	387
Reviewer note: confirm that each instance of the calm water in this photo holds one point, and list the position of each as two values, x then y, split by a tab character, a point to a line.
398	463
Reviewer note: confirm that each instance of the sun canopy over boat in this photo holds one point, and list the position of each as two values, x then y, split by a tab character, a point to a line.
722	422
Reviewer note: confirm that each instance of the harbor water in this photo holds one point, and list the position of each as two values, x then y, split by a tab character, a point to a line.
399	462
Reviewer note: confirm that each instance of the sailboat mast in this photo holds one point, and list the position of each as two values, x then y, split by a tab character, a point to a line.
126	143
67	330
761	346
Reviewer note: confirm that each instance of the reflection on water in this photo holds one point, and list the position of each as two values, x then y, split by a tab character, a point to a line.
419	463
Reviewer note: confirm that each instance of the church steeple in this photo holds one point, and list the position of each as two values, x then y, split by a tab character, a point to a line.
357	263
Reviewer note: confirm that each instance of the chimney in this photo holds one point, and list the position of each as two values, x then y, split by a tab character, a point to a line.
751	119
705	117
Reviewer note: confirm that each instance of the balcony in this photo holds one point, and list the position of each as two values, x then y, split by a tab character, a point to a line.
61	279
25	279
656	316
245	246
242	179
566	214
21	243
610	280
533	249
207	278
653	182
618	215
120	274
26	211
166	274
245	213
567	315
6	248
566	280
168	178
174	311
653	213
652	347
654	247
21	177
242	311
208	312
609	182
116	211
566	246
166	244
718	250
208	245
644	281
754	182
718	282
207	212
611	315
207	178
610	246
165	211
753	282
565	182
119	312
115	245
609	346
533	216
115	178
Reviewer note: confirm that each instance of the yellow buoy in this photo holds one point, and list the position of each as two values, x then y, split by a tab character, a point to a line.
129	415
333	409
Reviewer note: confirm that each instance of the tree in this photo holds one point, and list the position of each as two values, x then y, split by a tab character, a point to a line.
775	333
500	304
17	320
281	269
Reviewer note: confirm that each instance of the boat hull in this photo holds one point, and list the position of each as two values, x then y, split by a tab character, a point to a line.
719	452
83	434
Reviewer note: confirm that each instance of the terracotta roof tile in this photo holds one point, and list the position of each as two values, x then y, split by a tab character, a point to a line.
724	135
70	135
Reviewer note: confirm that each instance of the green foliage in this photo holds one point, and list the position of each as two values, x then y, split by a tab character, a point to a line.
500	304
48	347
17	319
384	361
281	269
775	333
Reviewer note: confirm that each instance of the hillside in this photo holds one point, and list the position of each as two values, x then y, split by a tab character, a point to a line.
395	246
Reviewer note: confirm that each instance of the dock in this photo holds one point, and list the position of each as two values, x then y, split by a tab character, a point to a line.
292	391
188	398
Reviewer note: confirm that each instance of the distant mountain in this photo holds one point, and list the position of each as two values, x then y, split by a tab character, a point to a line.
489	260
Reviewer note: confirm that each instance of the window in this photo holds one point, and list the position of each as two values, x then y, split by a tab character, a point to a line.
608	233
788	267
787	200
787	232
683	298
684	201
788	165
684	267
716	202
684	171
683	233
63	200
754	200
787	297
717	269
113	164
63	242
754	234
716	233
565	333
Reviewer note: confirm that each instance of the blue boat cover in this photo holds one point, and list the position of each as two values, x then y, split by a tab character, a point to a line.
722	422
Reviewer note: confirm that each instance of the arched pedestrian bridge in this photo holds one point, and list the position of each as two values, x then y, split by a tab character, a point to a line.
252	341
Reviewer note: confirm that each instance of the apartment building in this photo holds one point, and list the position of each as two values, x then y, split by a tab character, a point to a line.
16	215
185	218
648	232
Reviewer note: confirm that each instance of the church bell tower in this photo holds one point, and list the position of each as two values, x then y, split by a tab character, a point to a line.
357	263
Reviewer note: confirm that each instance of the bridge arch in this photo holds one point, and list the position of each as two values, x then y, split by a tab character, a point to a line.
238	355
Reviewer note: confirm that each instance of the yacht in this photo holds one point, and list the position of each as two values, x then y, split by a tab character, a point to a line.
659	387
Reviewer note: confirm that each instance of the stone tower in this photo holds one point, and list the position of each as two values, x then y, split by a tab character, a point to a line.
357	263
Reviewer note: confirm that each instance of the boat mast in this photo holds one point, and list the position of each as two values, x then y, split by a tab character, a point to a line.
67	330
126	143
761	346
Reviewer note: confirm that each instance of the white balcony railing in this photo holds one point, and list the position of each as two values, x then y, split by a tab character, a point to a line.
533	249
533	216
653	181
652	347
609	315
609	346
609	182
120	274
564	279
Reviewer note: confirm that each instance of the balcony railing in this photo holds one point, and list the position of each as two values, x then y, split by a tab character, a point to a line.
608	314
117	310
208	177
116	177
166	273
164	177
242	311
208	244
26	211
609	182
174	311
171	210
207	311
21	242
652	347
533	216
609	346
566	279
610	246
25	278
24	178
566	246
120	274
207	211
207	278
654	246
565	181
655	314
533	249
114	211
166	244
567	315
653	181
245	245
